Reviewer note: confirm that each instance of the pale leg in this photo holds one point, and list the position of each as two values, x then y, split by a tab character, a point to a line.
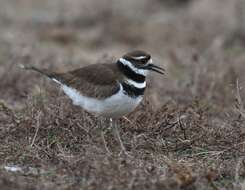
103	137
116	132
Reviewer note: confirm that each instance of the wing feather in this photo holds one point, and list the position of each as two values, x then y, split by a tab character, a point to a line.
97	80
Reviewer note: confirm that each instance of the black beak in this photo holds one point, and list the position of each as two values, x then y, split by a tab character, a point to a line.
155	68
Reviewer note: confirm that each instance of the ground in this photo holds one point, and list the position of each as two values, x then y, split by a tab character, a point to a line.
188	133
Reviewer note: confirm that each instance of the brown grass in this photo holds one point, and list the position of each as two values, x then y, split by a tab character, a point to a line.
187	134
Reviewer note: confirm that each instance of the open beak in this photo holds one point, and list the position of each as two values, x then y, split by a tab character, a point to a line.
155	68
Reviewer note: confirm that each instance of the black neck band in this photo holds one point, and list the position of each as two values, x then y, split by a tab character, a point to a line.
129	73
132	91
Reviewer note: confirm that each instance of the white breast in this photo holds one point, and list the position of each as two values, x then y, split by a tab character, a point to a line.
115	106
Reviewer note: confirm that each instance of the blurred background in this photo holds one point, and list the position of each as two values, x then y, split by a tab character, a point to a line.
199	42
187	134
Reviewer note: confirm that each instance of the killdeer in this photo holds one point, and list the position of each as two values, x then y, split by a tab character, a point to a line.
110	89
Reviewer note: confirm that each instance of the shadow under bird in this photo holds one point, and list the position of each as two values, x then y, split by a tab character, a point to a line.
111	90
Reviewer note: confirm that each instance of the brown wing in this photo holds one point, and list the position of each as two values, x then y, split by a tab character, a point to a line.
97	80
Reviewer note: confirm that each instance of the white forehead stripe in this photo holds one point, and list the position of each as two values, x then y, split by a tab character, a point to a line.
139	58
136	84
132	67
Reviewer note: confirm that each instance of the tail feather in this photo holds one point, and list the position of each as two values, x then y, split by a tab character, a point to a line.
50	75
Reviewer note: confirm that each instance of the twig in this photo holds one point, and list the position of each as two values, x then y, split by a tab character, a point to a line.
124	117
239	103
238	166
105	144
181	127
133	179
37	129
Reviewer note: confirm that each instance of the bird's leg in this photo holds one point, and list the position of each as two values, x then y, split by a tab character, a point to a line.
116	132
103	137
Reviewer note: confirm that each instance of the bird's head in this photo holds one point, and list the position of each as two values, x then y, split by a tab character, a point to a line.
140	62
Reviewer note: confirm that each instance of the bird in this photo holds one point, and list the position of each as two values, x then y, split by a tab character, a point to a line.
111	89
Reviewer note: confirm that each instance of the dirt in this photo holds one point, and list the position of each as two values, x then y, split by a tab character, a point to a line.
188	133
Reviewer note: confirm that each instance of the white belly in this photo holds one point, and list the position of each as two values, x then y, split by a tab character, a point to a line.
116	106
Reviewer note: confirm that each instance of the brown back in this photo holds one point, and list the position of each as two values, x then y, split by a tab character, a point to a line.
97	80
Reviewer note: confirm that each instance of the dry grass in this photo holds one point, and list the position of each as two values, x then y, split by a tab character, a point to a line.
187	134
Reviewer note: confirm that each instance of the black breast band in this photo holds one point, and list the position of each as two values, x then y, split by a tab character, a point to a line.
132	91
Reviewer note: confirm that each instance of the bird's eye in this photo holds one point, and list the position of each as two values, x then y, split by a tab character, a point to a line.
146	62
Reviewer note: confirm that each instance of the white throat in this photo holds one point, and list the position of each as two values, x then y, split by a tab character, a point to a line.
132	67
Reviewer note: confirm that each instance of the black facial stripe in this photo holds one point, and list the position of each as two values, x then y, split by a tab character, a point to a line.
132	90
129	73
